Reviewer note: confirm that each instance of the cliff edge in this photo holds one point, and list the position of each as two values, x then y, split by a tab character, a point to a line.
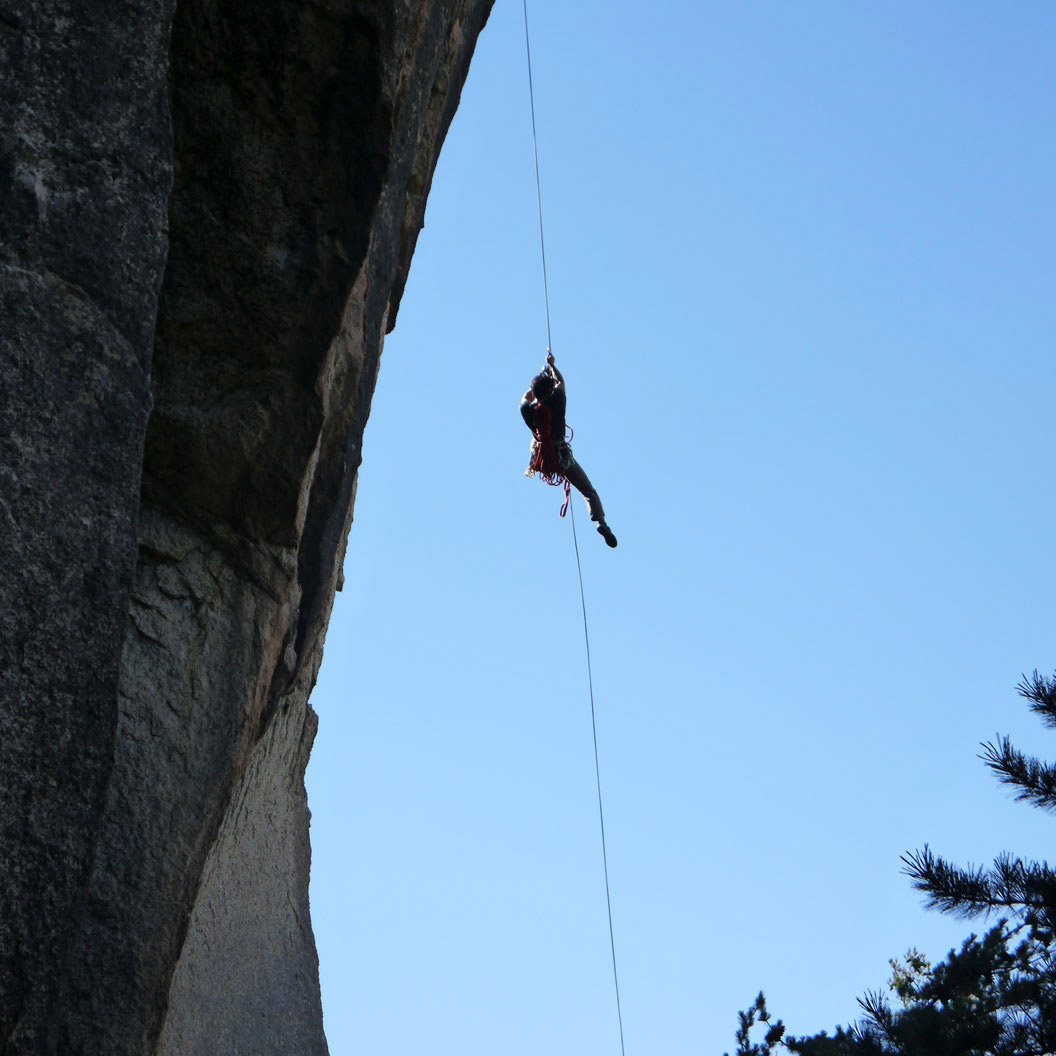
207	214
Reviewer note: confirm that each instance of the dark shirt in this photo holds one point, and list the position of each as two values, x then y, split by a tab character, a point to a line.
556	402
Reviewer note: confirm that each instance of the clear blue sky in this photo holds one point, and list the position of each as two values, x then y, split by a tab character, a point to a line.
802	263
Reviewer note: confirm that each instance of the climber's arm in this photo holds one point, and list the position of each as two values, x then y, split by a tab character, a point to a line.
558	376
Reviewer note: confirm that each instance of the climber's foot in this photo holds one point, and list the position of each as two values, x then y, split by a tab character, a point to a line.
606	533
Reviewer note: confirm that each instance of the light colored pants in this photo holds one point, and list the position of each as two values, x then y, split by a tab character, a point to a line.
574	474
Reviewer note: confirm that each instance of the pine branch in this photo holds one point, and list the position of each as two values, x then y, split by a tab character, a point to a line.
1041	692
1029	885
879	1022
963	892
1011	884
1035	782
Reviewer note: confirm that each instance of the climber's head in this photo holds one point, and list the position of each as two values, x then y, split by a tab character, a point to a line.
542	386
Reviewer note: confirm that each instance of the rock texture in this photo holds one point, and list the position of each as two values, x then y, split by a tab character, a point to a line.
168	591
85	172
247	979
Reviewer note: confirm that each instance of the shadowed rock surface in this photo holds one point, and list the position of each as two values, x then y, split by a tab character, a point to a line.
85	172
168	586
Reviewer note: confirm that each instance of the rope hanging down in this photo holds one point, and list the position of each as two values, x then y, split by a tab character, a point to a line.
579	566
597	774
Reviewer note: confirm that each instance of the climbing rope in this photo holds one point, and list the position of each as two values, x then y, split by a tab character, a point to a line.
597	774
579	565
538	182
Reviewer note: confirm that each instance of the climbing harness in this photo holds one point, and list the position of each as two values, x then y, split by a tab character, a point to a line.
549	456
554	479
575	540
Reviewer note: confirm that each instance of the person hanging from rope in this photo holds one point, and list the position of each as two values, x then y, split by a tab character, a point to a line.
543	411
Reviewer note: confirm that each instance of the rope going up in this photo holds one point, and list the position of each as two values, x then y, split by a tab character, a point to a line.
579	565
538	183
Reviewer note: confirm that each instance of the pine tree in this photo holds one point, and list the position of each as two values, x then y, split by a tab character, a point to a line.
996	995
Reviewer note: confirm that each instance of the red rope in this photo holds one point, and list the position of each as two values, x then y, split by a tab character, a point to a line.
546	461
568	495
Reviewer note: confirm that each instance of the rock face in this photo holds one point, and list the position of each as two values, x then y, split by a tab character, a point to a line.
207	217
85	172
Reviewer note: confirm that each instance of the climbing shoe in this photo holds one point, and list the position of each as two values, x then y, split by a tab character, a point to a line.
606	533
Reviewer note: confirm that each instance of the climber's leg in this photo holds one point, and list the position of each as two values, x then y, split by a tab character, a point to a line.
581	482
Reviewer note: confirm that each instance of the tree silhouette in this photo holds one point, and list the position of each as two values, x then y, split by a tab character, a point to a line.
996	995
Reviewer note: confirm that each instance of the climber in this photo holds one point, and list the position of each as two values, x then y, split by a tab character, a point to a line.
543	411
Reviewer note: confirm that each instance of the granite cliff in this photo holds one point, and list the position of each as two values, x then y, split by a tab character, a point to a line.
207	213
